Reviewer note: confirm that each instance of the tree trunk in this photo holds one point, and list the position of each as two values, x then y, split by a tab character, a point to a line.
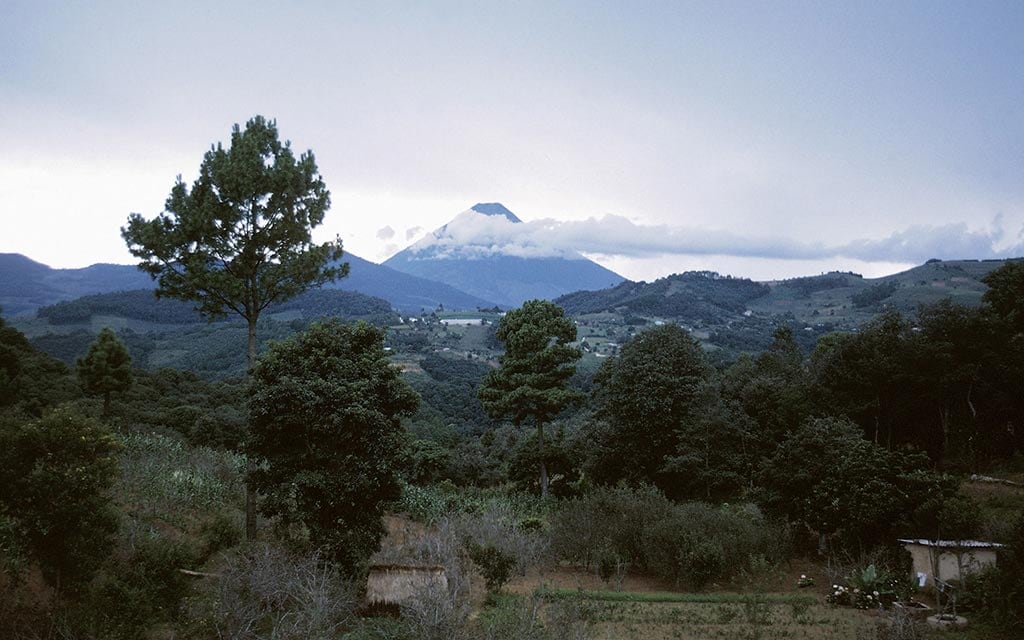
543	463
250	508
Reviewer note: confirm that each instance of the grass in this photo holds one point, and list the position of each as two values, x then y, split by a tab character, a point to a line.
707	621
671	597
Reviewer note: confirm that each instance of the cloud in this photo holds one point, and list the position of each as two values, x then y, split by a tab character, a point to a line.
385	233
473	235
412	232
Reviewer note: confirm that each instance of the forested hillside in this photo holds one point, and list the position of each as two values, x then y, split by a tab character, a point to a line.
694	296
142	304
673	467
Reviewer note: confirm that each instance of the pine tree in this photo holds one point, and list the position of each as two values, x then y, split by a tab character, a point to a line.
531	385
241	239
106	368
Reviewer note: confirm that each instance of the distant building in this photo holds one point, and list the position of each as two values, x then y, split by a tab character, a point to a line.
462	322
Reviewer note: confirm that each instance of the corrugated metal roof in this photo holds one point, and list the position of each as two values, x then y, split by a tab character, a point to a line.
956	544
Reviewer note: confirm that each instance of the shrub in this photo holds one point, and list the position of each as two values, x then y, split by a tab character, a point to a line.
607	519
998	593
55	506
132	594
516	618
691	543
220	532
498	526
495	565
265	587
899	625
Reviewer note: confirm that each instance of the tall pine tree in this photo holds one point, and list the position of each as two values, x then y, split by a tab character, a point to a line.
106	368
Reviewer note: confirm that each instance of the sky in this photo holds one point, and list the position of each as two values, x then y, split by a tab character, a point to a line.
758	139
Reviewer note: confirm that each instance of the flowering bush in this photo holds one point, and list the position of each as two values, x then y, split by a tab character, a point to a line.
839	596
805	581
868	589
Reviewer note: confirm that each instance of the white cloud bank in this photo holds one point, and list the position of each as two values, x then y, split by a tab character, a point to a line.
471	234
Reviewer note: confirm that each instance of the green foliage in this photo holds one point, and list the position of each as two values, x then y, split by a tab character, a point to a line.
431	503
697	543
206	414
106	368
561	460
874	294
425	459
1005	295
240	240
531	384
694	296
998	593
55	473
644	396
30	381
537	364
690	543
325	409
828	478
162	477
218	533
132	595
524	618
947	384
808	285
703	597
494	564
450	389
141	304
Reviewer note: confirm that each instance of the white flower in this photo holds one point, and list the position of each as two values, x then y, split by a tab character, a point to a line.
803	577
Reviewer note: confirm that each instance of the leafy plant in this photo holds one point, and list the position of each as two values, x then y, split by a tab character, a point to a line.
495	565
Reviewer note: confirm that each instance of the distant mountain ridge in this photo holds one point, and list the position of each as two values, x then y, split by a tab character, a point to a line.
694	296
453	254
839	299
27	285
141	304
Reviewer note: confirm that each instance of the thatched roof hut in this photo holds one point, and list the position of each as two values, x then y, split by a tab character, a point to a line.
392	585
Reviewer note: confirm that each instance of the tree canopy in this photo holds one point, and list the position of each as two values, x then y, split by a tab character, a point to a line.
1005	295
241	238
55	509
106	368
532	383
325	410
644	395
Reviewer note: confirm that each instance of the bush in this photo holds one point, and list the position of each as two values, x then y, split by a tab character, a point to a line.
516	618
265	587
998	593
607	519
495	565
692	543
219	533
55	505
132	594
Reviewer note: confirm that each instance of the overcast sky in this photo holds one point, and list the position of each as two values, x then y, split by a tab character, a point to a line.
765	139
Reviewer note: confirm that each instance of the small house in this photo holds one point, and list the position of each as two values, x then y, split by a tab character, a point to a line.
948	559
